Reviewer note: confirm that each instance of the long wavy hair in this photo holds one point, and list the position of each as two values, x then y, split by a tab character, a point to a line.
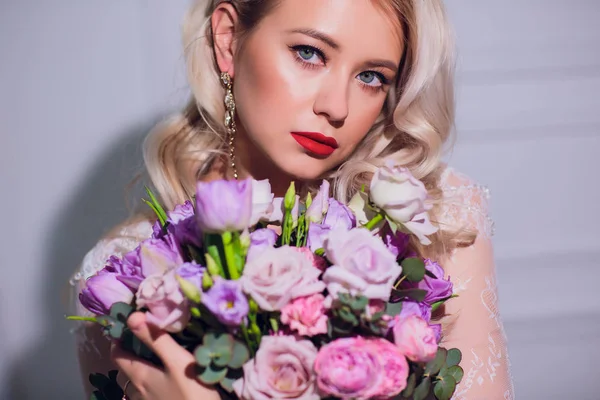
413	129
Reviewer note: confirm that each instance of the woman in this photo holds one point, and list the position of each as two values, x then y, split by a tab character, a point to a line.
318	89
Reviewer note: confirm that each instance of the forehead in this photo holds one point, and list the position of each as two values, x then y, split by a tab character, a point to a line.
355	24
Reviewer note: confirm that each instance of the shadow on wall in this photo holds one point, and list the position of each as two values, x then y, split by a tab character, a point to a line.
50	369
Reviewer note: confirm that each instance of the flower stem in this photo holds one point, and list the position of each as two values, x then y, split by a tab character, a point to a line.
274	324
77	318
399	282
374	221
228	247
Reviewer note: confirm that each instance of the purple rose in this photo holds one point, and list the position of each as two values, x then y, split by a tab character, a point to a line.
102	291
396	243
184	226
260	240
157	256
191	272
421	310
437	288
227	302
167	306
224	205
339	216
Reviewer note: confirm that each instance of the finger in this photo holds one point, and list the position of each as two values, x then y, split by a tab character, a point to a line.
134	369
161	343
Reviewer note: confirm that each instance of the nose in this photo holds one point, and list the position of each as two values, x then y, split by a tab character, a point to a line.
332	100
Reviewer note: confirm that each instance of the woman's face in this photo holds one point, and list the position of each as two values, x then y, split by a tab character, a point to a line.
309	83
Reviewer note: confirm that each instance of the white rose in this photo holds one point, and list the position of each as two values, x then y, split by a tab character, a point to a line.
262	200
403	198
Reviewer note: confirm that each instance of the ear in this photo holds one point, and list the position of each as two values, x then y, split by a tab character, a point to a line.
224	21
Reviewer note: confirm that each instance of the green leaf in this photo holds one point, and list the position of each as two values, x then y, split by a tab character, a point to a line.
348	316
411	383
393	309
240	355
392	224
444	388
455	372
212	375
155	205
96	395
112	374
434	366
359	303
413	269
437	304
98	380
454	357
422	391
221	347
417	295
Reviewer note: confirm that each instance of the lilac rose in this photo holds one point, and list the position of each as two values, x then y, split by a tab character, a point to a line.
280	275
260	240
157	256
102	291
224	205
362	265
281	369
167	306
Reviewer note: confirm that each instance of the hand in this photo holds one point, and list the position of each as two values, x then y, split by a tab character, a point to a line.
175	381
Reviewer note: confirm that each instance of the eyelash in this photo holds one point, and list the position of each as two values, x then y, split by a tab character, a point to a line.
321	54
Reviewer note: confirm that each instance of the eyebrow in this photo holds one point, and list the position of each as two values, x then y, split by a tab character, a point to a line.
323	37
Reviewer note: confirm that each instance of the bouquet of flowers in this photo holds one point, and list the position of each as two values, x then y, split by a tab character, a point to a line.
288	298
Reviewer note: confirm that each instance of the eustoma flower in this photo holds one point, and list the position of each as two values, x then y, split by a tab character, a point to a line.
227	302
102	291
224	205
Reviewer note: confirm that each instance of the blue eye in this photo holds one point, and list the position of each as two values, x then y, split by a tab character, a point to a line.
306	53
368	77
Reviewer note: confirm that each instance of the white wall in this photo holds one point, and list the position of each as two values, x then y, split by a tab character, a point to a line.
82	82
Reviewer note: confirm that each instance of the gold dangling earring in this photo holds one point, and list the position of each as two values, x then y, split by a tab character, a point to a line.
229	118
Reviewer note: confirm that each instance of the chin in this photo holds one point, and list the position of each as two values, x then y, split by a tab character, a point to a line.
304	167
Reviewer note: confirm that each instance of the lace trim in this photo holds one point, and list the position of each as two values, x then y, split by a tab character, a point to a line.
465	203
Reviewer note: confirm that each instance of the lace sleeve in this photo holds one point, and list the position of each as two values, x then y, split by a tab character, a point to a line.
474	324
93	349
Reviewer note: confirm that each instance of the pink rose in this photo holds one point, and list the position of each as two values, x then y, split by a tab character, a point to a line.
167	307
277	276
306	315
362	265
315	260
395	368
281	369
349	368
415	339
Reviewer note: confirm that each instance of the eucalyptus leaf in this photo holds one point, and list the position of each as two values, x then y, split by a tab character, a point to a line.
444	388
359	303
212	375
454	357
434	366
413	269
240	355
417	295
411	383
97	395
98	380
455	372
422	391
393	309
203	355
348	316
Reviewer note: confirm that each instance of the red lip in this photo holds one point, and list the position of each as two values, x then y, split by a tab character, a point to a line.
316	142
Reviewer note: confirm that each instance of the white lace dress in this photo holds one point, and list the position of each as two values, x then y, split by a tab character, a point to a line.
476	328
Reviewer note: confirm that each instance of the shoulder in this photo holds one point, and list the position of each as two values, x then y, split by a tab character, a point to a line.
120	240
465	203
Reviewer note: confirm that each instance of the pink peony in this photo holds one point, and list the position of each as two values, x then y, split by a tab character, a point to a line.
306	315
395	368
415	338
349	368
277	276
281	369
167	307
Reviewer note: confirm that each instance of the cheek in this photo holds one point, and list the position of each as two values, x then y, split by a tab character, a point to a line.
365	108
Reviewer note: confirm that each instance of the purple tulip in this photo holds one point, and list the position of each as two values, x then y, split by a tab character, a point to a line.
102	291
260	240
184	226
192	272
224	205
227	302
